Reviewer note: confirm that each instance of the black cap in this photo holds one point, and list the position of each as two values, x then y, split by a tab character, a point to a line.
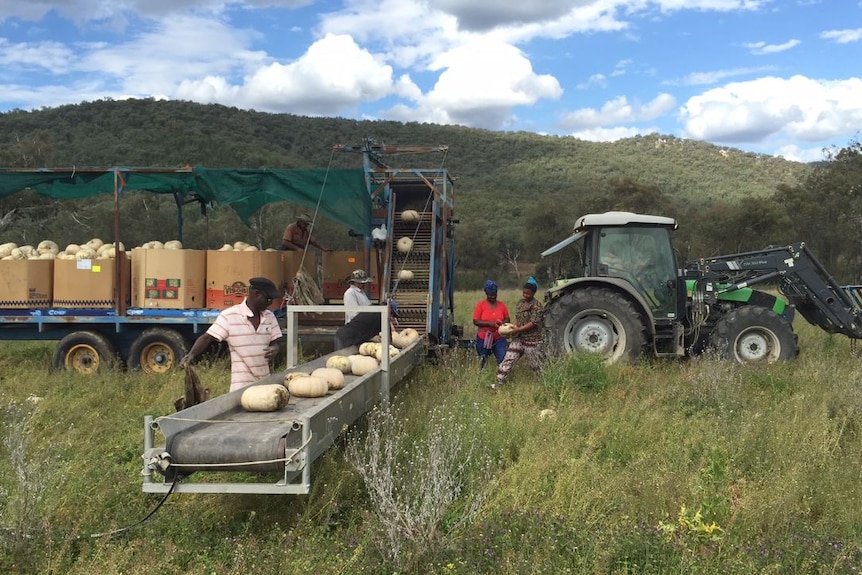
265	286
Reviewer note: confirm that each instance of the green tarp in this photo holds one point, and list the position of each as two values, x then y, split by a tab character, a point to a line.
338	195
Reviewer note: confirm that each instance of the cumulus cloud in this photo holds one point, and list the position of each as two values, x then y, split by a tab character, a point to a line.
618	111
334	75
843	36
610	134
762	48
474	14
806	109
480	83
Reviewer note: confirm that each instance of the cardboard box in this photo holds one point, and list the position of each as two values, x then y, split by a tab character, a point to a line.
228	274
337	267
92	284
169	279
26	283
292	259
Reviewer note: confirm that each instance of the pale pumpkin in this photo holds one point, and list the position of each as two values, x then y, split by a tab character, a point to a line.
339	362
404	245
410	216
308	386
506	329
270	397
334	377
362	364
405	275
294	375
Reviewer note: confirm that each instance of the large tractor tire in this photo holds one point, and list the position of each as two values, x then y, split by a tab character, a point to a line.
86	352
157	350
595	320
754	334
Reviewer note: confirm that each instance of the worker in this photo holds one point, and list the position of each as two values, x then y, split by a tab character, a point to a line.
297	235
358	326
251	332
488	315
527	334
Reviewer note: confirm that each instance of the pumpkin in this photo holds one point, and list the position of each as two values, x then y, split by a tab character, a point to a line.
410	216
393	351
506	329
239	246
226	248
173	245
270	397
405	275
339	362
94	244
368	348
362	364
46	246
308	386
294	375
334	377
405	338
404	245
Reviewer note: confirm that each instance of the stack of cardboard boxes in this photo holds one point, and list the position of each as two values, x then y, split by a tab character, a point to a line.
167	279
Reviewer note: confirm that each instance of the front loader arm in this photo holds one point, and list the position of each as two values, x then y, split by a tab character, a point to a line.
801	278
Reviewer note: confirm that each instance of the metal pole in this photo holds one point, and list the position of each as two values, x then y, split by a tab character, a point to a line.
148	445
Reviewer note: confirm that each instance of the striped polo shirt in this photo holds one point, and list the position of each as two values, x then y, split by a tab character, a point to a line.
247	345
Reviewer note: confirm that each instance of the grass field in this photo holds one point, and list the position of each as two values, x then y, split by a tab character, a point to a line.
696	466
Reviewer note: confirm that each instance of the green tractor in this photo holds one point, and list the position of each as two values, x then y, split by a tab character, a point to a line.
625	295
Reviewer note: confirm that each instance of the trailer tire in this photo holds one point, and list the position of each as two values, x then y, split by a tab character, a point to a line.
752	334
85	352
157	350
595	320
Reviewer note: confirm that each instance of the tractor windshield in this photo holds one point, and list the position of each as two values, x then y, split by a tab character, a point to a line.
642	256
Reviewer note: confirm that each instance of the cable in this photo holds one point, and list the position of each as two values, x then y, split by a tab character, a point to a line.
133	525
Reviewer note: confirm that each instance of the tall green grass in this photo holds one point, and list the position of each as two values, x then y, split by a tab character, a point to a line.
693	466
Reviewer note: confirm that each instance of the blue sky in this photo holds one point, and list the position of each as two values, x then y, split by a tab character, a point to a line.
780	77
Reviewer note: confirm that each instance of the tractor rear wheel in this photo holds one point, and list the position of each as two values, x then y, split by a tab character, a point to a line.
86	352
752	334
595	320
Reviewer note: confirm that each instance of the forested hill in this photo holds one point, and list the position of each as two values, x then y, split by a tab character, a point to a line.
169	133
517	192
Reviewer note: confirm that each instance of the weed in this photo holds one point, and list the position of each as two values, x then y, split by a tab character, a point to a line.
418	486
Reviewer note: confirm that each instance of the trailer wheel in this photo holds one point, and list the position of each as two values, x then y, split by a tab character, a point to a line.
157	350
752	334
595	320
86	352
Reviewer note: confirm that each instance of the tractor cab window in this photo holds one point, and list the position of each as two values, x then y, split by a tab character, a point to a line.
642	256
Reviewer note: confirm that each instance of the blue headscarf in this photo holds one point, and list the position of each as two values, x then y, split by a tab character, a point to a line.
490	287
532	284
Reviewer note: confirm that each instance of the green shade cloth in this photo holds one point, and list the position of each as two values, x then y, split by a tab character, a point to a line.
338	195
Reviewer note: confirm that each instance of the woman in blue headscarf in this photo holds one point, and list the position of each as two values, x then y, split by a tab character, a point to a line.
488	316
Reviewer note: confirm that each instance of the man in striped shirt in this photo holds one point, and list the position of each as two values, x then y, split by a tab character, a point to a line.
251	332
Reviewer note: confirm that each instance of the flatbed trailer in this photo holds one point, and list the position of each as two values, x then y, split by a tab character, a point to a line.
152	340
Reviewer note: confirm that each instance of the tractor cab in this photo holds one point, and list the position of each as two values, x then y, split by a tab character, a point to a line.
631	247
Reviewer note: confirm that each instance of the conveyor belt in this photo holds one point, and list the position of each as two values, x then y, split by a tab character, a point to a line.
412	295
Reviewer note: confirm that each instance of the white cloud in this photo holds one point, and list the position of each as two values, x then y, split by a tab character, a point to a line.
762	48
610	134
334	75
843	36
618	111
703	78
480	83
794	153
803	108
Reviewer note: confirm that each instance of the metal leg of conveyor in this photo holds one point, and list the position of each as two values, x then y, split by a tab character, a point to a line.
148	445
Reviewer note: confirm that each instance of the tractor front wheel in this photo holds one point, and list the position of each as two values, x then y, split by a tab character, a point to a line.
754	334
595	320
